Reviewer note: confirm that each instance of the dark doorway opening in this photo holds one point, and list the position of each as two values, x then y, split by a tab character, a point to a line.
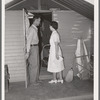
44	34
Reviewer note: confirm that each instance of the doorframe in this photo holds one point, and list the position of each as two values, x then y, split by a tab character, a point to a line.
47	76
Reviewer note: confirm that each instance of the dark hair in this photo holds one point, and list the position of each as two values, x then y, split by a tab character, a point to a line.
36	16
54	24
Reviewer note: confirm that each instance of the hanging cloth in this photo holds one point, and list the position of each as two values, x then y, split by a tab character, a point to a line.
82	60
79	53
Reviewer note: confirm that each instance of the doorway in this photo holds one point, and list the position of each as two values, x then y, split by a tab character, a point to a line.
44	34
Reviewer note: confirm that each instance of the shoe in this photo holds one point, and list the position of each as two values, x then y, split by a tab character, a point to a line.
60	81
52	81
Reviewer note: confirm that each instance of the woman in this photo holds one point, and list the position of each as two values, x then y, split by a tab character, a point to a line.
55	62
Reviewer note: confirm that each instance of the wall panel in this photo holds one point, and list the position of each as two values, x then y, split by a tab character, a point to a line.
71	27
14	44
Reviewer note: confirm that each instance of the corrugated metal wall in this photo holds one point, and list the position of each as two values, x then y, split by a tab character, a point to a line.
14	44
71	27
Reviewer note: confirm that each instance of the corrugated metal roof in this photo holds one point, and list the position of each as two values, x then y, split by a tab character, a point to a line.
82	7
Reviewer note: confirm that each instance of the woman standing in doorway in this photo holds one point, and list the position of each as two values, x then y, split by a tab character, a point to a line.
55	62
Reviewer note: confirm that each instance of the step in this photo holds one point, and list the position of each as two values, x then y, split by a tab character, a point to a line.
43	77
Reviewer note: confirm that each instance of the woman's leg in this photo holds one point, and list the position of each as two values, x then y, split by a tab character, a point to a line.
54	76
60	75
54	79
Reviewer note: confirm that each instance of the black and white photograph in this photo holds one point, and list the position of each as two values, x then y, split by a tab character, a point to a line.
49	50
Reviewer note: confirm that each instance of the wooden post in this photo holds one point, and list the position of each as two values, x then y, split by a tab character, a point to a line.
39	4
